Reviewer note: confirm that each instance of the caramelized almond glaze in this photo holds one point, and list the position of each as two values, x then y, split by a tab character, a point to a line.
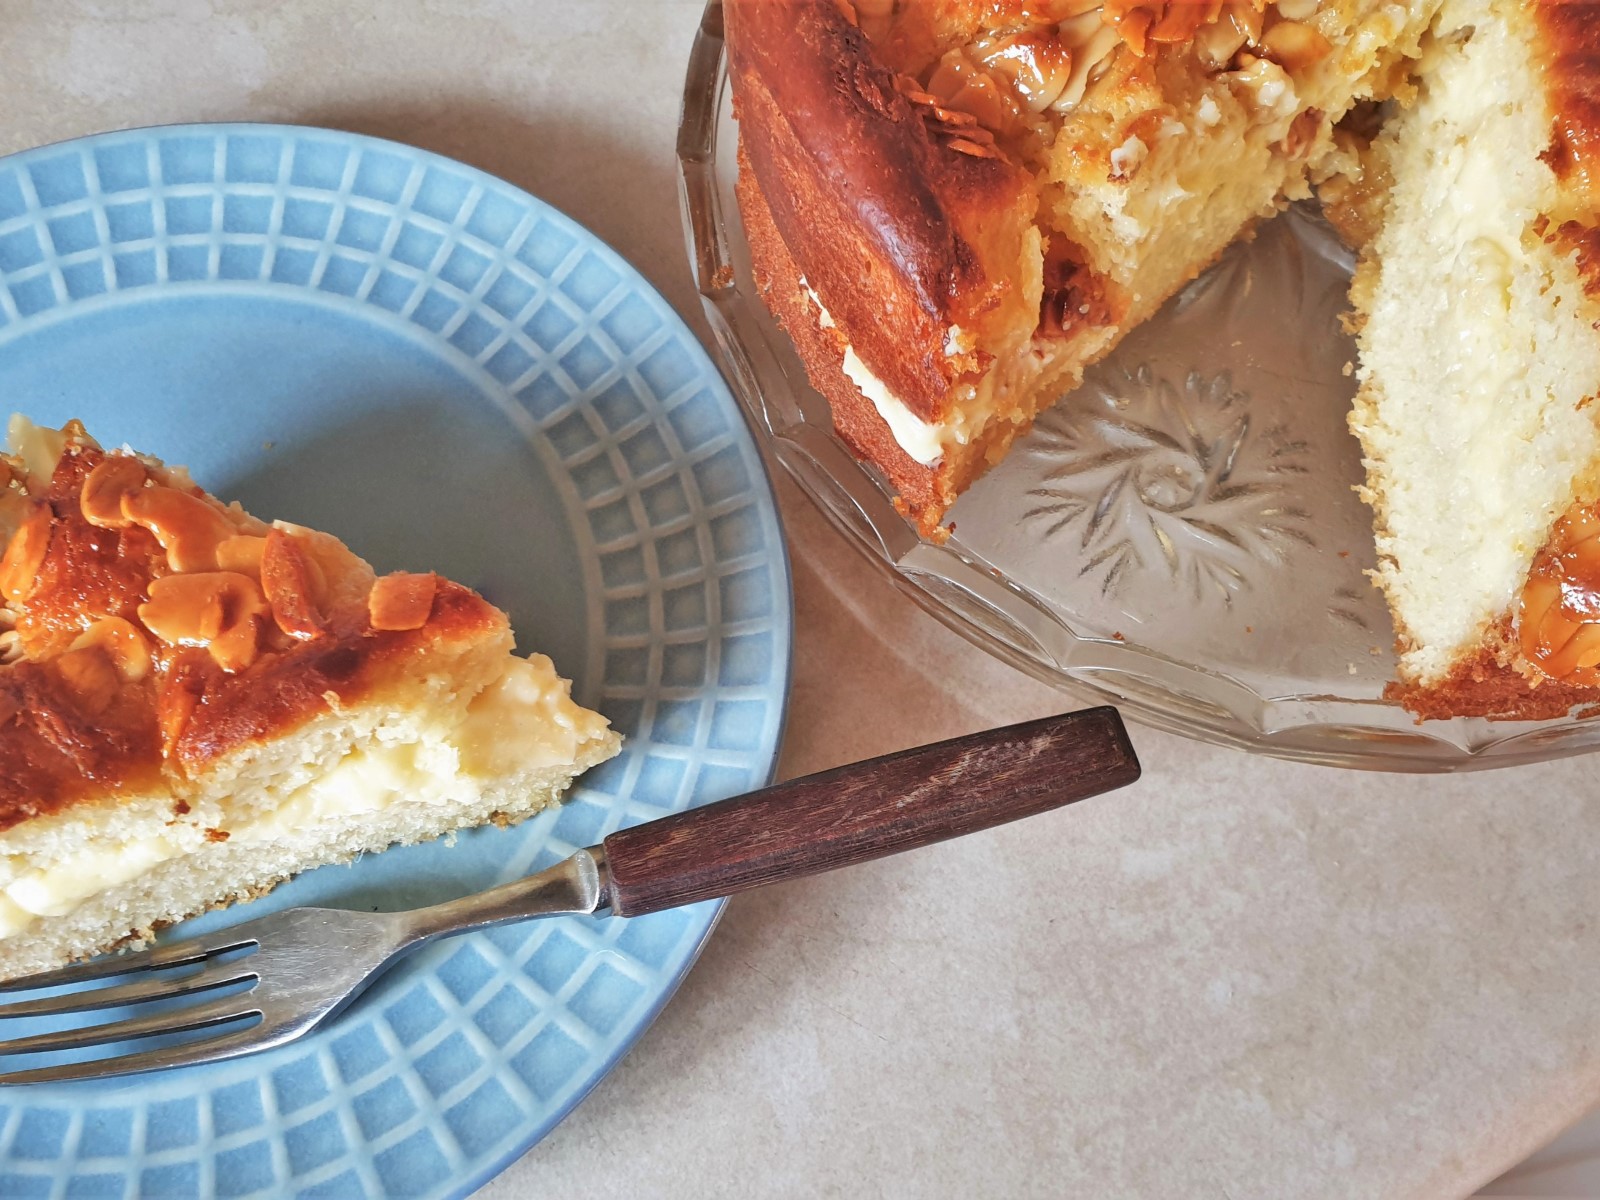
1558	617
151	631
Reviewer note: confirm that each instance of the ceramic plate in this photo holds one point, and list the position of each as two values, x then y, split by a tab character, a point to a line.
447	373
1180	537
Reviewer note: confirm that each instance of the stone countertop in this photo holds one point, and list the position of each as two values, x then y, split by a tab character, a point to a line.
1242	978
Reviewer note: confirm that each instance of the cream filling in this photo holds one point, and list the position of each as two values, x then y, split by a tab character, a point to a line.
525	720
975	404
922	441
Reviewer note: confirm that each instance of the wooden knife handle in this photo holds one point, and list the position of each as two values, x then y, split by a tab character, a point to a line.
867	810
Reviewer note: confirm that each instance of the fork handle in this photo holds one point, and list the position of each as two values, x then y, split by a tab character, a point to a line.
867	810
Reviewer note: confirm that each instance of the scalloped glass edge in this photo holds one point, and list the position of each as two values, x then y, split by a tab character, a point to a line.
972	599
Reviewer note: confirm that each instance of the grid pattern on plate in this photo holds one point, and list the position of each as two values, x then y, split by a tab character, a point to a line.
473	1049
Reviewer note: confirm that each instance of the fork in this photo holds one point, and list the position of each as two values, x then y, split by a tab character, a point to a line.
293	971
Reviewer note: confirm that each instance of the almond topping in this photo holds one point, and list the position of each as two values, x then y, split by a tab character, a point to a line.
241	553
19	568
219	610
75	433
188	528
1037	65
116	477
123	643
91	677
402	601
1581	651
289	582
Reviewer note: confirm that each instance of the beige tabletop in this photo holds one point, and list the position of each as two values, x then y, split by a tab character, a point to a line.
1240	979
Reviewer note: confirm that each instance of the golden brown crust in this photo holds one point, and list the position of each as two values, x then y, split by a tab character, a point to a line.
80	717
1571	35
306	679
907	233
1482	686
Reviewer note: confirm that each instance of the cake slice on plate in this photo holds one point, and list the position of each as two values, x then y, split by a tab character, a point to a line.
196	705
954	206
1478	300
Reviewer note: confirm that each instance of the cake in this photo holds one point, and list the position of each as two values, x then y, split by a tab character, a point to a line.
954	206
196	705
1477	301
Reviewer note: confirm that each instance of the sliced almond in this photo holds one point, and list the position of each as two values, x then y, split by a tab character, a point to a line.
1247	17
189	529
115	478
25	554
402	601
1581	650
1037	65
178	695
289	581
123	643
242	553
1216	44
219	610
1540	597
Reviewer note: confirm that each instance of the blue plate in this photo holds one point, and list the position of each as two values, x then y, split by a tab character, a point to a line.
449	374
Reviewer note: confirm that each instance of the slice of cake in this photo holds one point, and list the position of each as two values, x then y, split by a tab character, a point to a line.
195	705
954	206
1478	299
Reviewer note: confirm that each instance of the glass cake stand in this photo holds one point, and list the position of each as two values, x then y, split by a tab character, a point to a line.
1180	537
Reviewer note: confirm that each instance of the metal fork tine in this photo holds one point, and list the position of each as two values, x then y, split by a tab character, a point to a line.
195	1016
174	954
228	1045
162	987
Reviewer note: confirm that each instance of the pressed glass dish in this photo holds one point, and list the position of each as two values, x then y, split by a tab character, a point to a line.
1179	537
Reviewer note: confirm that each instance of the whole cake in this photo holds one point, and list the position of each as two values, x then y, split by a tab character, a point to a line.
195	705
955	206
